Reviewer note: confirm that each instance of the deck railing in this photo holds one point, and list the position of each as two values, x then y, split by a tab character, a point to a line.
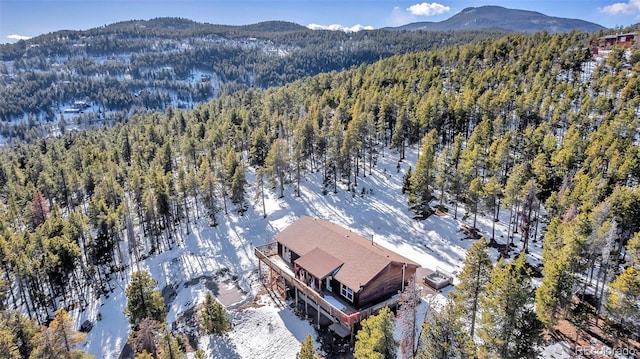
263	252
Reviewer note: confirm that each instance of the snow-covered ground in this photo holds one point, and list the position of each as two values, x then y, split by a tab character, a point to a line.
221	259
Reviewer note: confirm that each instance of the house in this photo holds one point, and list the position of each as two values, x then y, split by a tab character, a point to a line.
341	274
625	40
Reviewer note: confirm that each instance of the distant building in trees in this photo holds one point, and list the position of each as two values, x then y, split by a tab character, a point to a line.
625	40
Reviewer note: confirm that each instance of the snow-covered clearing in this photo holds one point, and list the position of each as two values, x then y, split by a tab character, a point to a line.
221	258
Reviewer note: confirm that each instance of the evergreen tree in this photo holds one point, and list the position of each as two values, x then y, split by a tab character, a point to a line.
59	339
444	336
623	303
423	178
509	327
238	182
529	205
24	332
307	351
491	193
143	300
169	347
62	330
556	288
633	250
277	162
8	347
443	174
208	188
214	316
474	192
513	196
143	355
259	148
473	279
375	339
406	181
455	175
259	195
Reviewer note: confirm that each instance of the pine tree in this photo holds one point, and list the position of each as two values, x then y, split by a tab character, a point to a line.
529	205
443	173
238	182
143	300
473	279
62	330
24	332
277	162
208	188
375	339
423	178
444	336
455	175
307	351
474	192
491	192
513	196
556	289
406	181
259	147
623	303
143	355
259	195
169	347
633	250
8	347
214	316
509	327
59	339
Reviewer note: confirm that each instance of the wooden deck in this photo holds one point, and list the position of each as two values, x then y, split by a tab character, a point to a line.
346	315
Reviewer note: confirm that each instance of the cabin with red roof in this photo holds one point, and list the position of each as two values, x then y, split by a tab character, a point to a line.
342	274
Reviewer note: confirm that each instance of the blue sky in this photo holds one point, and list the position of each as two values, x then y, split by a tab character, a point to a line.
28	18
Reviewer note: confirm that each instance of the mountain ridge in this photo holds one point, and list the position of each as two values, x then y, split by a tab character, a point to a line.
491	17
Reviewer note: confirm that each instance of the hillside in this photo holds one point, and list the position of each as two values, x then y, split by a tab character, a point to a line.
525	139
139	65
502	19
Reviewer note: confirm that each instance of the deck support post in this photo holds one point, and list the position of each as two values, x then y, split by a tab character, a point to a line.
351	330
318	315
260	270
284	288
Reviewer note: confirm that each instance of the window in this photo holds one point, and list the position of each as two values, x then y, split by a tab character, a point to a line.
286	254
346	292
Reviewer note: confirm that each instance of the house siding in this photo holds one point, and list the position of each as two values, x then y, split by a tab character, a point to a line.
387	283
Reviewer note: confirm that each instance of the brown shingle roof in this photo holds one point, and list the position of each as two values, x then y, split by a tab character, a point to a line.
362	258
319	263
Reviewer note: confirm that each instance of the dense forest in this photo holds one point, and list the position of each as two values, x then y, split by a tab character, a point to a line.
167	62
527	124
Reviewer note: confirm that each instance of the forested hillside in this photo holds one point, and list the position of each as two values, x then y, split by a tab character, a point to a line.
525	123
138	65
